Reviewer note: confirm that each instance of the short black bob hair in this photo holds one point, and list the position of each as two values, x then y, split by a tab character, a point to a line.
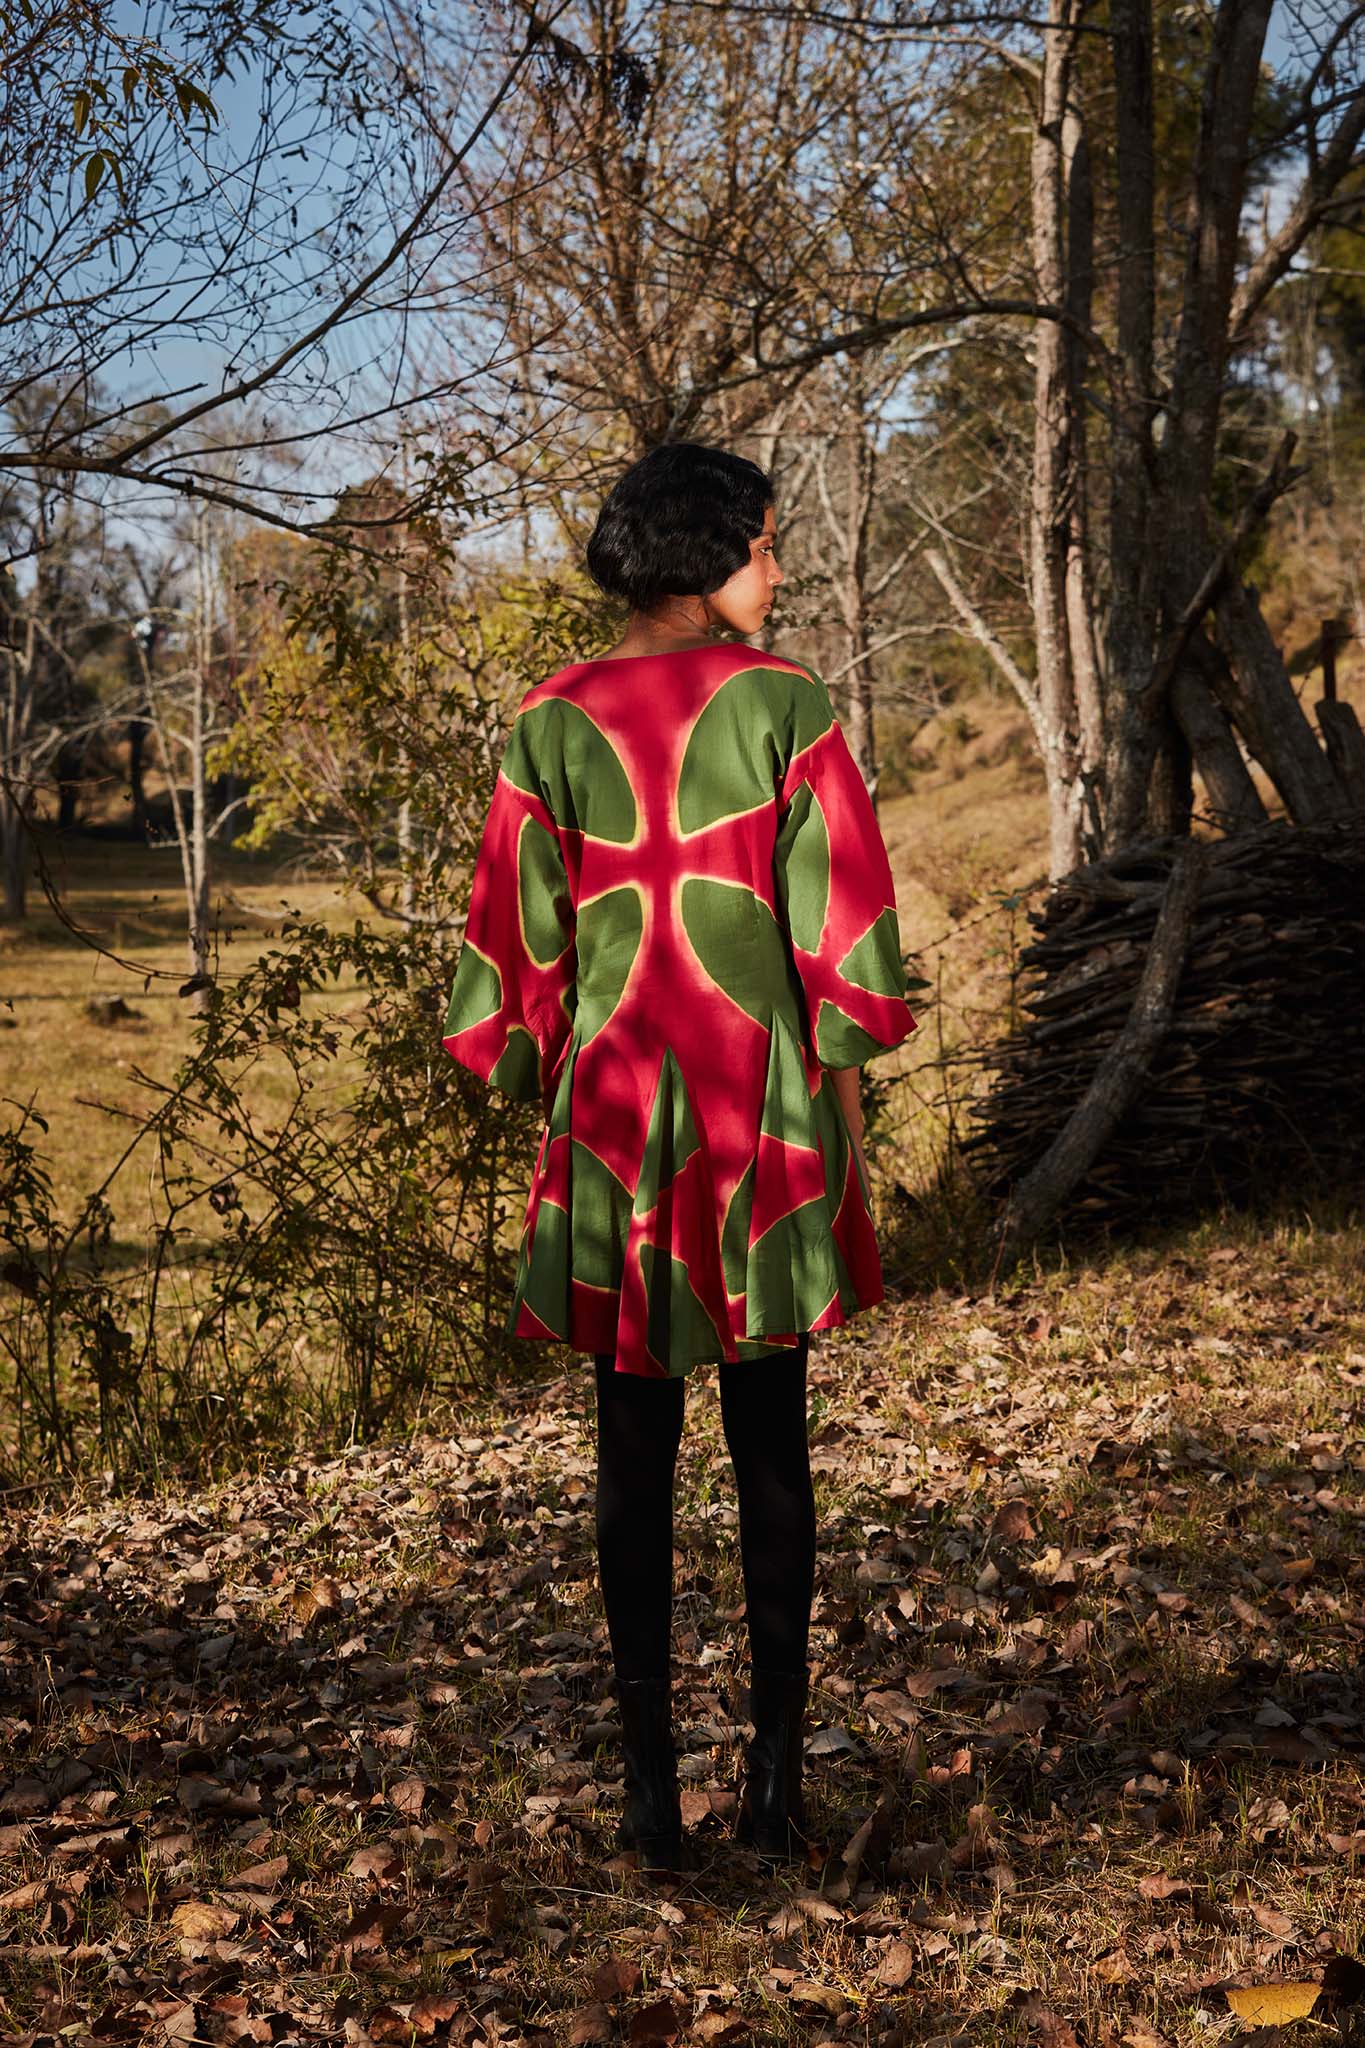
677	523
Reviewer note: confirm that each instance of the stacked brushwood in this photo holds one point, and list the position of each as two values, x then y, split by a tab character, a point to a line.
1257	1084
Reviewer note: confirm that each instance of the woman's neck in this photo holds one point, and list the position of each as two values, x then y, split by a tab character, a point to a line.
668	631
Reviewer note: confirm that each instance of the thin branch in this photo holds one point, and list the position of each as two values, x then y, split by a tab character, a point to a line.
1316	197
999	653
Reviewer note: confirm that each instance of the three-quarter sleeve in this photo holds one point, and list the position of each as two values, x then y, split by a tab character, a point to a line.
511	1008
834	888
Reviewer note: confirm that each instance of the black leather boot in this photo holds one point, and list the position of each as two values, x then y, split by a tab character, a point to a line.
772	1816
651	1822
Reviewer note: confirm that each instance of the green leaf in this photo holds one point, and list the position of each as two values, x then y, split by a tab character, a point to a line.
131	75
81	108
95	167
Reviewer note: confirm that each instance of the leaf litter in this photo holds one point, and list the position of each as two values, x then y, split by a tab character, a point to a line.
330	1754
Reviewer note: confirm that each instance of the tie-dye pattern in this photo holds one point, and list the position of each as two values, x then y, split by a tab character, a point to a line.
681	916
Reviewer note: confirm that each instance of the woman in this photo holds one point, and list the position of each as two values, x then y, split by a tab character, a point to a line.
682	939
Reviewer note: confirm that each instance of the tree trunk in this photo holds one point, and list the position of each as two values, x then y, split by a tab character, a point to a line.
1231	791
1170	794
1050	508
1259	696
13	855
137	741
15	771
1131	633
197	850
1080	604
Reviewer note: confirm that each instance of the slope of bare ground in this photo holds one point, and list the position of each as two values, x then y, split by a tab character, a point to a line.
329	1755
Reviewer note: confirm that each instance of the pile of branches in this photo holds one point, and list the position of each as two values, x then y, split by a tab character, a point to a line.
1194	1031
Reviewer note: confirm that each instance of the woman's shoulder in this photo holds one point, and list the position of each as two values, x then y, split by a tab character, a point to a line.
718	663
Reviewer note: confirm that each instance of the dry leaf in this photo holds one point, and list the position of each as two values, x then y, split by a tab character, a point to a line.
1051	2029
805	1991
322	1597
719	2028
708	1802
591	2027
25	1896
868	1843
432	2011
1273	1920
1274	2005
1156	1885
616	1978
1026	1716
892	1709
372	1928
195	1921
175	2019
937	1678
656	2022
897	1965
386	2023
1116	1711
407	1795
1013	1523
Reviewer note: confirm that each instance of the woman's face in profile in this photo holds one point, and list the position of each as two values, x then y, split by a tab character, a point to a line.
744	601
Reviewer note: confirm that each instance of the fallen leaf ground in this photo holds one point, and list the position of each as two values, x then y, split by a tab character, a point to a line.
328	1754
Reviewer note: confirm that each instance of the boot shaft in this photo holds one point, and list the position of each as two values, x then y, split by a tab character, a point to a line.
772	1809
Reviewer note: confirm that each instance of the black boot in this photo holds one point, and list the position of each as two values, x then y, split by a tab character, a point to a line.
772	1816
651	1823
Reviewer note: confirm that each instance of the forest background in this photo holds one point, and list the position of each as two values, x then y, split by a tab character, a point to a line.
323	329
326	330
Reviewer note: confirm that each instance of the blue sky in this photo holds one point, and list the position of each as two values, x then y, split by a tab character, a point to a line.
198	354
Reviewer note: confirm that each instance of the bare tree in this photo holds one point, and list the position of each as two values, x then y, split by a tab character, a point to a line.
188	711
289	253
1150	653
45	618
669	201
851	484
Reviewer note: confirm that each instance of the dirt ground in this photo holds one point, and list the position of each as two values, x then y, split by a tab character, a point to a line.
330	1755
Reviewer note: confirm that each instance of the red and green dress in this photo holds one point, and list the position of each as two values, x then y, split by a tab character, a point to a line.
681	917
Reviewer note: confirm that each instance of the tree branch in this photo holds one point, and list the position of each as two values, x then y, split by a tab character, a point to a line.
121	463
1315	198
999	653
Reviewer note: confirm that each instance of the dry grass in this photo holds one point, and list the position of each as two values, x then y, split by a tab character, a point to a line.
129	898
967	844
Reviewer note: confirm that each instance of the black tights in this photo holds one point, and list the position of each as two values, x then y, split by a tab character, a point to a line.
639	1428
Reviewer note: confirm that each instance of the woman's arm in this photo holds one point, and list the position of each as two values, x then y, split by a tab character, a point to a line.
845	1081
